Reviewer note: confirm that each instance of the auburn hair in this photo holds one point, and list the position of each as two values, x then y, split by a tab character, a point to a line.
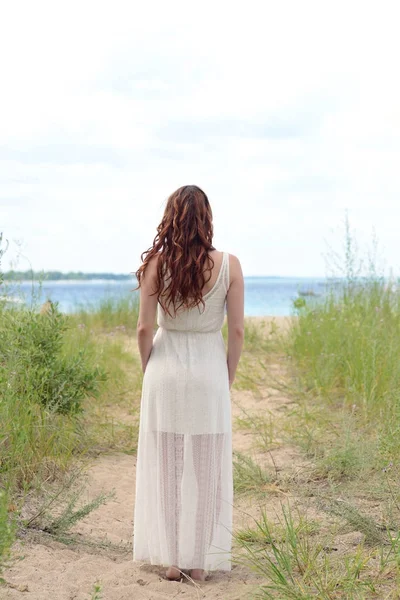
183	241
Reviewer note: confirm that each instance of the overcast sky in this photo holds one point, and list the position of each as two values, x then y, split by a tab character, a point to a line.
285	113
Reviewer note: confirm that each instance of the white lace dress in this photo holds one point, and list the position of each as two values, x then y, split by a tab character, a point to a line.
184	486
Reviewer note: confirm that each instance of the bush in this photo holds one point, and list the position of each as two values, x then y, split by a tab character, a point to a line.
32	363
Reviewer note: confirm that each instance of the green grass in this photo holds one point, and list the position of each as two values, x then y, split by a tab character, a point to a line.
41	446
342	375
299	561
344	358
7	528
64	504
53	380
260	425
248	476
64	379
340	368
118	313
261	340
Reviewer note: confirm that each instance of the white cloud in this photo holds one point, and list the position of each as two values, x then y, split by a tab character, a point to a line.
285	113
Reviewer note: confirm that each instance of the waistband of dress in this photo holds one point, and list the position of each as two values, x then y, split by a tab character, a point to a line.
188	330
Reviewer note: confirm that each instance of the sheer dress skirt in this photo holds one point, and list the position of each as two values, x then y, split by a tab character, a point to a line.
184	486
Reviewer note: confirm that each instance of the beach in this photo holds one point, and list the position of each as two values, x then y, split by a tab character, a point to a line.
53	570
314	484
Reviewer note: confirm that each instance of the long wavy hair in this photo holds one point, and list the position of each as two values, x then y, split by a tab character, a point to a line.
183	240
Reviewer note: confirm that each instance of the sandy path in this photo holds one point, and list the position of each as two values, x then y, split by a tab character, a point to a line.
50	570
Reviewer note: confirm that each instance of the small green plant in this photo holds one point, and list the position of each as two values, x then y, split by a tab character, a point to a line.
96	593
261	426
283	555
7	530
373	534
299	303
60	505
249	477
63	501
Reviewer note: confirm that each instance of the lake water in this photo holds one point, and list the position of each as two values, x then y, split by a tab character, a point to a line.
263	295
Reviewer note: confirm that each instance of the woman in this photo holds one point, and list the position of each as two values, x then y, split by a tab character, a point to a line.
184	487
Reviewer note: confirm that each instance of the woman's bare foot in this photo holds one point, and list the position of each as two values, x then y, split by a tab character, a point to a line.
173	573
198	574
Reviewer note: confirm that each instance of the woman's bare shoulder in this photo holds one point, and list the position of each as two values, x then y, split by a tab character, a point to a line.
232	258
235	269
151	270
234	261
153	262
213	253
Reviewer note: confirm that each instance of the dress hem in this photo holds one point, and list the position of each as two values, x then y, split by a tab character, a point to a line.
183	568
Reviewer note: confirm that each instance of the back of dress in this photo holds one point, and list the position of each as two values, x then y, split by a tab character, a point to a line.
206	318
183	511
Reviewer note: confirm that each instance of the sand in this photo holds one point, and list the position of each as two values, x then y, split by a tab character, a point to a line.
45	569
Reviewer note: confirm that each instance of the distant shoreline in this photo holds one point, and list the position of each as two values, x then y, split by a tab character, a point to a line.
27	276
76	277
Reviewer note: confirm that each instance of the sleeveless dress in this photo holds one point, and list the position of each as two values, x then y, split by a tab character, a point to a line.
184	483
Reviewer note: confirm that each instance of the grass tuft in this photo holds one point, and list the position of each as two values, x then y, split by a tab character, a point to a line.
249	477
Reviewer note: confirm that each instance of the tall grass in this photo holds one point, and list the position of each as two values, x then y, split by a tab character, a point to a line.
348	346
62	378
342	362
7	523
345	351
119	313
299	562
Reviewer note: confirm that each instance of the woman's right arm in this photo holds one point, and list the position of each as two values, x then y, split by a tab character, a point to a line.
147	312
235	312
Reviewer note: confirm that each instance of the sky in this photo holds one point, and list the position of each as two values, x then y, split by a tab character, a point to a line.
287	114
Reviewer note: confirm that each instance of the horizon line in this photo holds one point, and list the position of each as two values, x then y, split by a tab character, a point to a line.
93	275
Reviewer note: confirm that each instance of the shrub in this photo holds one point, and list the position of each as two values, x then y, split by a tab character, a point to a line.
33	365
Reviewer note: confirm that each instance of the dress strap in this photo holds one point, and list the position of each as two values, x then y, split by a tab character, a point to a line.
226	271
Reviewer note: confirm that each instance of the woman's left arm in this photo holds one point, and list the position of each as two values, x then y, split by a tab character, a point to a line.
147	312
